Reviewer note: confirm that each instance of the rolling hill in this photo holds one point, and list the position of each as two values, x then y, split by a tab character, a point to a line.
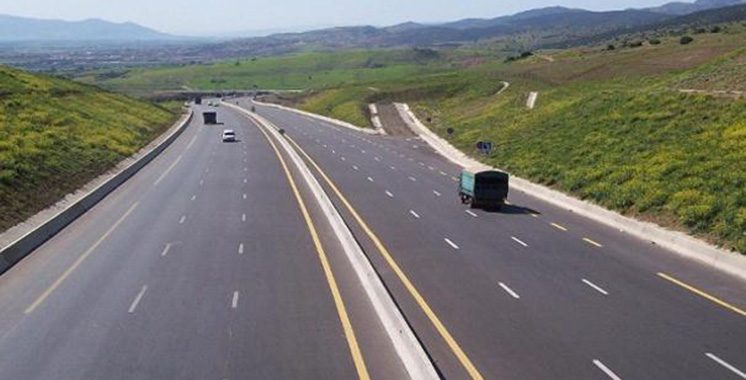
683	8
545	27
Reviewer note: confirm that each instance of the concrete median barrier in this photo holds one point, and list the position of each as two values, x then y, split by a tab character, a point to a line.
329	120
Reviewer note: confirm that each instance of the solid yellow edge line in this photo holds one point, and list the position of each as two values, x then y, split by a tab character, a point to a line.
77	262
357	356
703	294
452	344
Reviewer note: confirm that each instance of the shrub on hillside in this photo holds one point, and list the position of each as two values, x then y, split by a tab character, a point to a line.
686	40
655	41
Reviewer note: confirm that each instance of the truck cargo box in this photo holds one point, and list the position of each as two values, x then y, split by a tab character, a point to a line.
211	117
484	188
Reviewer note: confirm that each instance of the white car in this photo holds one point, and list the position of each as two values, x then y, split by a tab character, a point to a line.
229	135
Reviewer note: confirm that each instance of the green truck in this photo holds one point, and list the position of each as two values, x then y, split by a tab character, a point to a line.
484	189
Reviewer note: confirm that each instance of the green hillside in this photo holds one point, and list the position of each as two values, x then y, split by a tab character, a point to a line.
609	126
56	135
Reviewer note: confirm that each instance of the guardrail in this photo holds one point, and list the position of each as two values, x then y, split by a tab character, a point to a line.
23	246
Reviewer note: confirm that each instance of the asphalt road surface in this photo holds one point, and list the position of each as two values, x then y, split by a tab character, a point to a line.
532	292
201	266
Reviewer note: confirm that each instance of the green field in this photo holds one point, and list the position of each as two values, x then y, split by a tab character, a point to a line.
56	135
290	72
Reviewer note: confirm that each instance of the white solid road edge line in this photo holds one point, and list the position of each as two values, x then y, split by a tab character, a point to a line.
606	370
410	351
726	365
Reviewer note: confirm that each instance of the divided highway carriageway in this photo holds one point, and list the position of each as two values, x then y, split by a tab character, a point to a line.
216	262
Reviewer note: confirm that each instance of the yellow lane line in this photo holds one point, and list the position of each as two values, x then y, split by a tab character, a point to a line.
703	294
77	262
357	356
589	241
450	341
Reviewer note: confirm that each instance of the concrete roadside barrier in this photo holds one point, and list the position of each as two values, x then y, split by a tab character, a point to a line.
21	247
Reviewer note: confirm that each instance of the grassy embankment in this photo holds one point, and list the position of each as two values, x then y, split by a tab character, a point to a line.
56	135
609	126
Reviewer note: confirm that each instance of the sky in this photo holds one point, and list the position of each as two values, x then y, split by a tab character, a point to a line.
225	17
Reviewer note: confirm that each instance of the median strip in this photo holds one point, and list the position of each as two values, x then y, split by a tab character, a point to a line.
445	334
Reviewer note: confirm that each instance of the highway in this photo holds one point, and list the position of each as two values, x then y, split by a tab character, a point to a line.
201	266
204	265
533	292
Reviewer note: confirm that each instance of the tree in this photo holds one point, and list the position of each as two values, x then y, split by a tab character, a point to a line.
686	40
610	47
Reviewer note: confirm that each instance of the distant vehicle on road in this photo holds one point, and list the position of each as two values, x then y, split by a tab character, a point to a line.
210	117
229	135
198	100
485	189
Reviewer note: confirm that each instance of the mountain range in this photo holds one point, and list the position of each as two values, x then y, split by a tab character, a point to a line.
538	28
19	29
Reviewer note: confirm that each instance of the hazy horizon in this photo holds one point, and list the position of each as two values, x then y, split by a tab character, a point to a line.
235	17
